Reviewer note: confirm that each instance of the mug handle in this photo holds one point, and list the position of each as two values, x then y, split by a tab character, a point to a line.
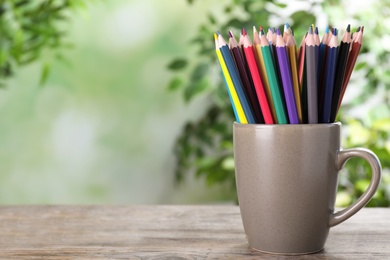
342	157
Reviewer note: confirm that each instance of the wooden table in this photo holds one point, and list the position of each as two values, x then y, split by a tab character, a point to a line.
166	232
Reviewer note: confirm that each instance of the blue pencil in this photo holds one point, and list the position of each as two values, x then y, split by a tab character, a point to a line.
321	60
231	101
330	71
227	56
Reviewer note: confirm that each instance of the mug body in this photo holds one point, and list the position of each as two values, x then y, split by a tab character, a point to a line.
286	183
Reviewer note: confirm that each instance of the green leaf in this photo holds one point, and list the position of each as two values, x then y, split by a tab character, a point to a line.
199	71
177	64
195	88
281	5
303	18
228	9
360	65
211	19
44	74
175	84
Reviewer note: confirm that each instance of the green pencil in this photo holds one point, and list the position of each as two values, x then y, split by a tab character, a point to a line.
273	81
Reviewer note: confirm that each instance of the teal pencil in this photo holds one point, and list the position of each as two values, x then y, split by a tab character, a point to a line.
273	81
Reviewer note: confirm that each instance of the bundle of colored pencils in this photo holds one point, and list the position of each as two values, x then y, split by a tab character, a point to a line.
269	80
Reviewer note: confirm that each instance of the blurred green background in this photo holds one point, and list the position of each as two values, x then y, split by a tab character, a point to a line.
129	113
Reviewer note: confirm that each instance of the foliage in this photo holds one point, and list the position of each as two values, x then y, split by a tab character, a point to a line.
27	29
205	146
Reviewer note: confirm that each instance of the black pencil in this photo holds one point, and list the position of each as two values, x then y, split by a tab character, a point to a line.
342	59
248	85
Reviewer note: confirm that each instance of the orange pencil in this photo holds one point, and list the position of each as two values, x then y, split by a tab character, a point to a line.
292	53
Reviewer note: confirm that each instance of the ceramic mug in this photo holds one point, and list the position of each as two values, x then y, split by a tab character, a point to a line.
287	182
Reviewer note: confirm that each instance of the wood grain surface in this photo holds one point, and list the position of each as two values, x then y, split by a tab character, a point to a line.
166	232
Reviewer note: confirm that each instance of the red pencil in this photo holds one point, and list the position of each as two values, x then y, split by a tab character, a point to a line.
261	96
353	54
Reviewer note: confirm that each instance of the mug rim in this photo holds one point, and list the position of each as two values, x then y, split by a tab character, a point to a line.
320	125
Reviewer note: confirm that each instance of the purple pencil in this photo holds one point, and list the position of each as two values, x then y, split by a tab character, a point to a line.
285	72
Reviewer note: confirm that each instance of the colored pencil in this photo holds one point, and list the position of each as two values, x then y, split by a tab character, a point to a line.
301	61
321	68
286	31
342	58
330	71
302	77
270	81
311	77
285	72
247	84
263	73
292	54
231	66
318	50
273	81
270	37
236	104
262	97
356	46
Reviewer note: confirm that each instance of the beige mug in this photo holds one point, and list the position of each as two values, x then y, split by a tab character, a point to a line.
287	182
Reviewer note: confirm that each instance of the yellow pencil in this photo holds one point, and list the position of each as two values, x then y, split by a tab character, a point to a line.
291	50
263	73
232	91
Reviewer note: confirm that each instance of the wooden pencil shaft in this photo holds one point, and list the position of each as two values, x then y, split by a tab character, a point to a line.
330	68
350	65
247	86
311	76
262	98
237	108
285	73
264	79
237	83
339	77
274	85
294	74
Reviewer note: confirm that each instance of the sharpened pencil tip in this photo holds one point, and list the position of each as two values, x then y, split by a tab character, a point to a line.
327	29
316	30
254	29
243	32
230	34
261	30
215	36
335	31
310	30
362	29
278	31
218	33
348	28
358	29
286	26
